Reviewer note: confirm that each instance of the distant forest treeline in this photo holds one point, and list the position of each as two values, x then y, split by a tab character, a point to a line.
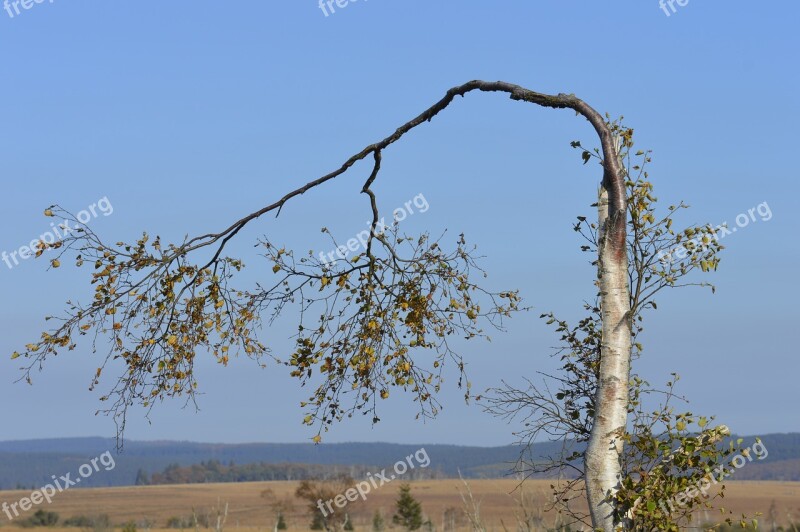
214	471
32	463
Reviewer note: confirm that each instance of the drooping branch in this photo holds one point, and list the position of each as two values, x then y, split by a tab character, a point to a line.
158	308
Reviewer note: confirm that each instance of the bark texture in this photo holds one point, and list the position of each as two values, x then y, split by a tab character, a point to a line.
603	467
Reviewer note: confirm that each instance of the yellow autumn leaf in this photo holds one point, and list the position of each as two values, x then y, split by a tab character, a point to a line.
276	269
48	213
172	340
317	438
56	263
14	355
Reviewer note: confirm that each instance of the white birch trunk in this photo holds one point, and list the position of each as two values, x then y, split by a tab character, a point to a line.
603	464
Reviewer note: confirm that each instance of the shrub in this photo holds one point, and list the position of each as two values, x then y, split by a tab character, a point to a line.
40	518
378	523
97	523
180	522
317	522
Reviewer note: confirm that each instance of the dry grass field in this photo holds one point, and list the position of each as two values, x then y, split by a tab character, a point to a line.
248	511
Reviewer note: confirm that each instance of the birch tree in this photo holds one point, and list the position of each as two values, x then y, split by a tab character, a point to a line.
669	455
157	306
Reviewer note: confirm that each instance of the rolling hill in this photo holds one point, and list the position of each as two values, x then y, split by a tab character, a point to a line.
31	463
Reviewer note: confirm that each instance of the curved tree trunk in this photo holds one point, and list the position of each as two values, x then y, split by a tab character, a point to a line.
603	465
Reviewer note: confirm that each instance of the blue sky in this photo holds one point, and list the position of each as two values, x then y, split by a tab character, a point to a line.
186	115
